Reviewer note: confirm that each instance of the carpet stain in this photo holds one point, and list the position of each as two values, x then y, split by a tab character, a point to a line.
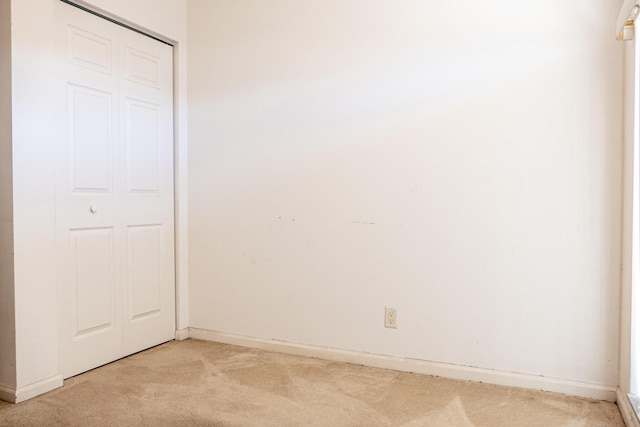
267	378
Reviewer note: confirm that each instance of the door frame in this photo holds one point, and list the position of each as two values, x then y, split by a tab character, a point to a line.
34	306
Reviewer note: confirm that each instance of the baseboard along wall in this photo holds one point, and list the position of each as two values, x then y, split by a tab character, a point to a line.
445	370
27	392
8	394
182	334
469	373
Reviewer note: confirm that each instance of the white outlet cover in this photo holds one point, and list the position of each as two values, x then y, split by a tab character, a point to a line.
390	318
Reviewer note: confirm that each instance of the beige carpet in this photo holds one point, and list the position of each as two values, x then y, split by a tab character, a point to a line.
198	383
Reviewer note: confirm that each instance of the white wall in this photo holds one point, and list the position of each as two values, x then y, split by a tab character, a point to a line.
458	161
7	314
34	174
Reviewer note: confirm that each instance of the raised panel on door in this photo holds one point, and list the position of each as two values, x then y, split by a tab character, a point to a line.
90	139
91	325
144	271
90	50
143	67
92	281
143	147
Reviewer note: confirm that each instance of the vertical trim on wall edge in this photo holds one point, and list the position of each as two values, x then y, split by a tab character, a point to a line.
627	412
180	203
439	369
7	249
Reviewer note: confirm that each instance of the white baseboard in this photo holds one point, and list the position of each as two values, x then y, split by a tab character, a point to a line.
628	414
38	388
512	379
182	334
8	394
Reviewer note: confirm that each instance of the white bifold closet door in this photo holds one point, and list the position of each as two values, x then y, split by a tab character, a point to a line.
114	214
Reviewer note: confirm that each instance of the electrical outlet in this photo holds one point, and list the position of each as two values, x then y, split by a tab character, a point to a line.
390	318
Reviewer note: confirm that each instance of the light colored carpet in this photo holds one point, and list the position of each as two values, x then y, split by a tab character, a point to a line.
199	383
